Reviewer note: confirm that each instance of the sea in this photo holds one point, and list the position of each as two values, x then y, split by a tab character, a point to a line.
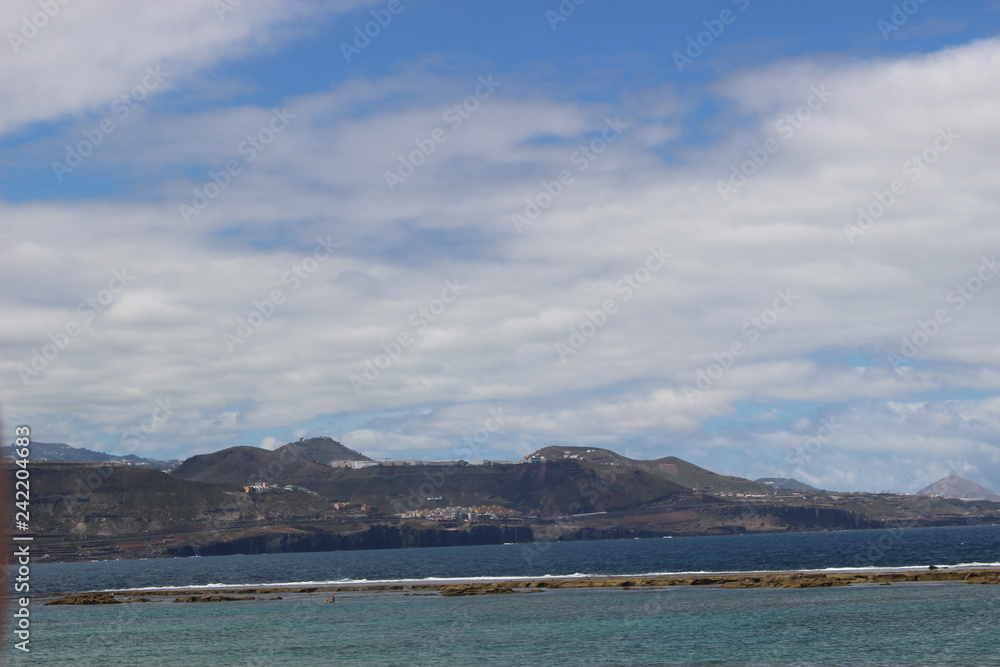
899	625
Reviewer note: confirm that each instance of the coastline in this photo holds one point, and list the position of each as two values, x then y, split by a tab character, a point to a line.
512	585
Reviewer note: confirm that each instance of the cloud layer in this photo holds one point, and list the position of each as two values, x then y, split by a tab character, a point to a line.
396	256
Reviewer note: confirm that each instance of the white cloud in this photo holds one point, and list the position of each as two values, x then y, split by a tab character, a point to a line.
78	57
495	344
882	445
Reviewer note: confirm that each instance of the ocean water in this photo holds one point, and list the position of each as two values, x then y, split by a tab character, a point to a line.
921	624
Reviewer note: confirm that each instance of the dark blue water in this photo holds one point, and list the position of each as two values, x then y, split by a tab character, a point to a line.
918	547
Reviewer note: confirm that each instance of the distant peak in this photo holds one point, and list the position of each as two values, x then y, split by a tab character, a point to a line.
954	486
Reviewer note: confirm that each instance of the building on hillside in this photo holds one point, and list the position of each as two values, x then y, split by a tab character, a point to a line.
353	464
263	487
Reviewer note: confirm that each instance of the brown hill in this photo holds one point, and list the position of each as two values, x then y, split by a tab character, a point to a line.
954	486
252	465
321	450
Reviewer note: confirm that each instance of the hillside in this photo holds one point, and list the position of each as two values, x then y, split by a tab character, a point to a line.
73	503
954	486
251	465
786	484
560	487
83	511
321	450
670	468
57	451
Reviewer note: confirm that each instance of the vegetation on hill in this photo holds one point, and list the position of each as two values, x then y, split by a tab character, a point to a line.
786	484
72	503
252	465
321	450
559	487
669	468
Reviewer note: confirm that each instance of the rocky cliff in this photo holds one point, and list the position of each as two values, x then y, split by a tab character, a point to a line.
379	536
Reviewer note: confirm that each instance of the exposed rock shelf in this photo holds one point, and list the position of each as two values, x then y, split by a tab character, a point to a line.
722	580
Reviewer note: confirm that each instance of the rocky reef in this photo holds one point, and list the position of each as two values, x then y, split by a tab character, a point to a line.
213	598
720	580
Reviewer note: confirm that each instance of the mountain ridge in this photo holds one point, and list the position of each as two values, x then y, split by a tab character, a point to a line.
670	468
92	511
61	452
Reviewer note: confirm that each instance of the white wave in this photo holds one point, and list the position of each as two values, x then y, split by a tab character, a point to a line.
542	577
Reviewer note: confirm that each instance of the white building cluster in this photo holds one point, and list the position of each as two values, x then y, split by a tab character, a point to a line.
415	462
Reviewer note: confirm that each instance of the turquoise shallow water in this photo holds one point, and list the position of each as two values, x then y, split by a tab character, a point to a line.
925	624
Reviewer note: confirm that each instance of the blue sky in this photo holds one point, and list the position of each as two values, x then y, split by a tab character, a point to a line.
248	226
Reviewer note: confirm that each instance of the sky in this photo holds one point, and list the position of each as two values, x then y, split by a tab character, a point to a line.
761	237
